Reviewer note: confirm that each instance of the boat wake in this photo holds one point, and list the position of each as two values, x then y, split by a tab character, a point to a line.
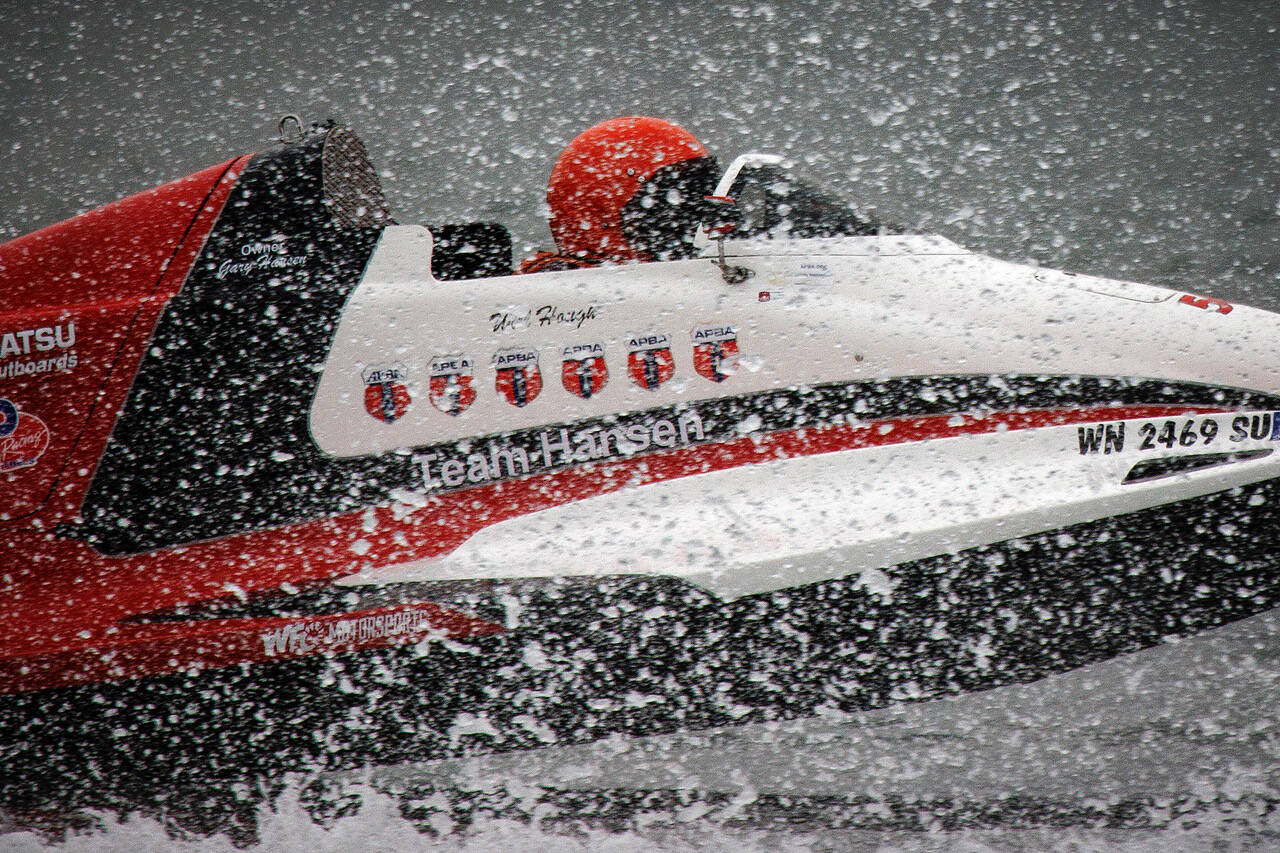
1172	748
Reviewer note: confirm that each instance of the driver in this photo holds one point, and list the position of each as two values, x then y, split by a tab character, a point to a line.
628	190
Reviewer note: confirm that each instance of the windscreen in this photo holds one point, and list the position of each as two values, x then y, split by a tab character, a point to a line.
773	203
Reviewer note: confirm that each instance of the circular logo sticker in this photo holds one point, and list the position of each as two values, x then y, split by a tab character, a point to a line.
8	418
23	438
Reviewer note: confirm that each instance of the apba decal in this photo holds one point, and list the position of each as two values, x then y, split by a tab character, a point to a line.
583	371
386	396
518	379
715	351
649	360
452	389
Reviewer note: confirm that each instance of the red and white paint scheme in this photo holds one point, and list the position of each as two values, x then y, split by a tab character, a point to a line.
743	514
894	398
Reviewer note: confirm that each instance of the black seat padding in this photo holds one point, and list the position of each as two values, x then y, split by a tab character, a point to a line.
470	250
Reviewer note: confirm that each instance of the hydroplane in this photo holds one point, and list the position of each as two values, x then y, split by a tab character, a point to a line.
251	425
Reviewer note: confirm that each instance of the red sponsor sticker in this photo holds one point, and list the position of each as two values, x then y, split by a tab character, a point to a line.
1222	306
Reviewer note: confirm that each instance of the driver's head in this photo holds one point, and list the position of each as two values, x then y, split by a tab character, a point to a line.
630	189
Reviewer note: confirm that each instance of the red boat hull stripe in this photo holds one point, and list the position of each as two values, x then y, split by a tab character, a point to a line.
69	630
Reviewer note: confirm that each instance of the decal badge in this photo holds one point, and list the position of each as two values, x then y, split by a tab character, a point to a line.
583	371
518	381
649	360
715	351
386	396
452	391
23	437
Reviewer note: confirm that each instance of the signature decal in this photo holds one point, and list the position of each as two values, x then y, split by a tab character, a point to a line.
519	319
260	256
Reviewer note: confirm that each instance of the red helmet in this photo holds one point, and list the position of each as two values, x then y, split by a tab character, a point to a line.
629	189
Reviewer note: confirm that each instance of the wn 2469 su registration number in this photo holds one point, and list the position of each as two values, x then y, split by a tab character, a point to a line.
1170	433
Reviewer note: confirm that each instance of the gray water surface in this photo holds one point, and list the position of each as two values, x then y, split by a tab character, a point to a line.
1137	140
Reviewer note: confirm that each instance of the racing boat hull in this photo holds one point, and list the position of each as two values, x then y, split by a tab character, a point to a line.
879	469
